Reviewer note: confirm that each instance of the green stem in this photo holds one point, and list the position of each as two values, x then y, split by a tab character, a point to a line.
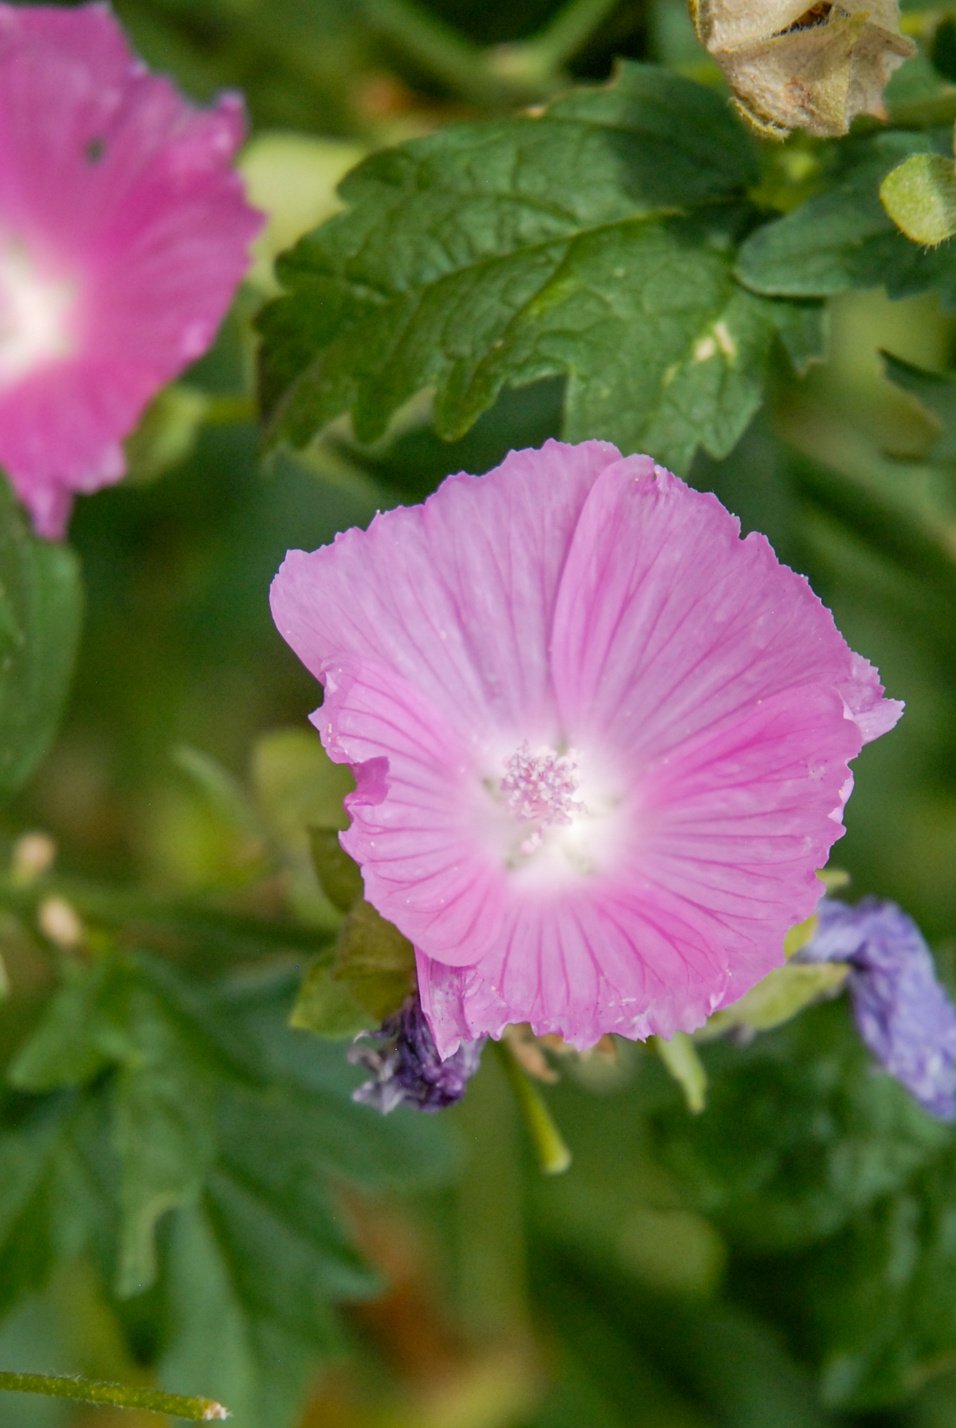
505	74
679	1055
551	1149
548	52
438	50
114	1395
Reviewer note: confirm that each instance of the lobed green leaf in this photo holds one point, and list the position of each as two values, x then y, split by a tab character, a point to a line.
197	1148
56	1188
593	239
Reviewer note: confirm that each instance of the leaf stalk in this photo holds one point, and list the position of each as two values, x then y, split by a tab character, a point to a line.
550	1147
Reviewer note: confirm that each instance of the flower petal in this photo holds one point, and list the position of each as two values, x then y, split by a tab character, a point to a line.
410	832
722	869
741	816
117	201
697	690
903	1013
579	967
666	621
457	594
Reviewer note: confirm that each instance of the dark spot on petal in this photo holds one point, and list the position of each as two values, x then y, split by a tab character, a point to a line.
95	150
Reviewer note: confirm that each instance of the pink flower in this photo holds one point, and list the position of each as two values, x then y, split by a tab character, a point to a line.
600	742
123	236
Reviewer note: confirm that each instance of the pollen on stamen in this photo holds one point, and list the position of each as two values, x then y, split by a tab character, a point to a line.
541	788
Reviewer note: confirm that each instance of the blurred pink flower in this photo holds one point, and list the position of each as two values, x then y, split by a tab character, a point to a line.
123	236
600	742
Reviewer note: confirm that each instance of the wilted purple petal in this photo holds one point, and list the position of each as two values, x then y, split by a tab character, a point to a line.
406	1067
903	1014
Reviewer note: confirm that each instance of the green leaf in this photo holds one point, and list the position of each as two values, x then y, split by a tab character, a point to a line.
298	785
260	1261
113	1014
327	1006
219	1326
41	602
163	1132
834	1191
76	1038
800	1135
56	1189
167	432
920	197
374	961
243	1024
371	974
593	239
936	394
844	238
779	996
252	1272
301	795
338	874
883	1294
943	49
656	1359
196	1097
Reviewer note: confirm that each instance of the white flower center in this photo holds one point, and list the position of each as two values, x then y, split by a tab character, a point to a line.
34	313
540	791
554	814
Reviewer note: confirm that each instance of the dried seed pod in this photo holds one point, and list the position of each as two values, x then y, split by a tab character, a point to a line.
797	67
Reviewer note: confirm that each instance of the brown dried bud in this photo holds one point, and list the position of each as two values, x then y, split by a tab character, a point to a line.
793	66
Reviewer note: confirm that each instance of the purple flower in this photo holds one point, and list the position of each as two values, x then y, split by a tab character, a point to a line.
407	1068
600	741
123	236
903	1014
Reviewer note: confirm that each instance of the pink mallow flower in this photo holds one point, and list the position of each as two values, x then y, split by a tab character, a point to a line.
123	236
600	742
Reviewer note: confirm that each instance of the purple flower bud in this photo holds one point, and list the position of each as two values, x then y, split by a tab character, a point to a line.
407	1069
903	1014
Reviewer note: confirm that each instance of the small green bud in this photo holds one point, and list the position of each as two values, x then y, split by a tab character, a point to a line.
920	197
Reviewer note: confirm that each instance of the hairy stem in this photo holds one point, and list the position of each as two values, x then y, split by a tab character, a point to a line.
114	1395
